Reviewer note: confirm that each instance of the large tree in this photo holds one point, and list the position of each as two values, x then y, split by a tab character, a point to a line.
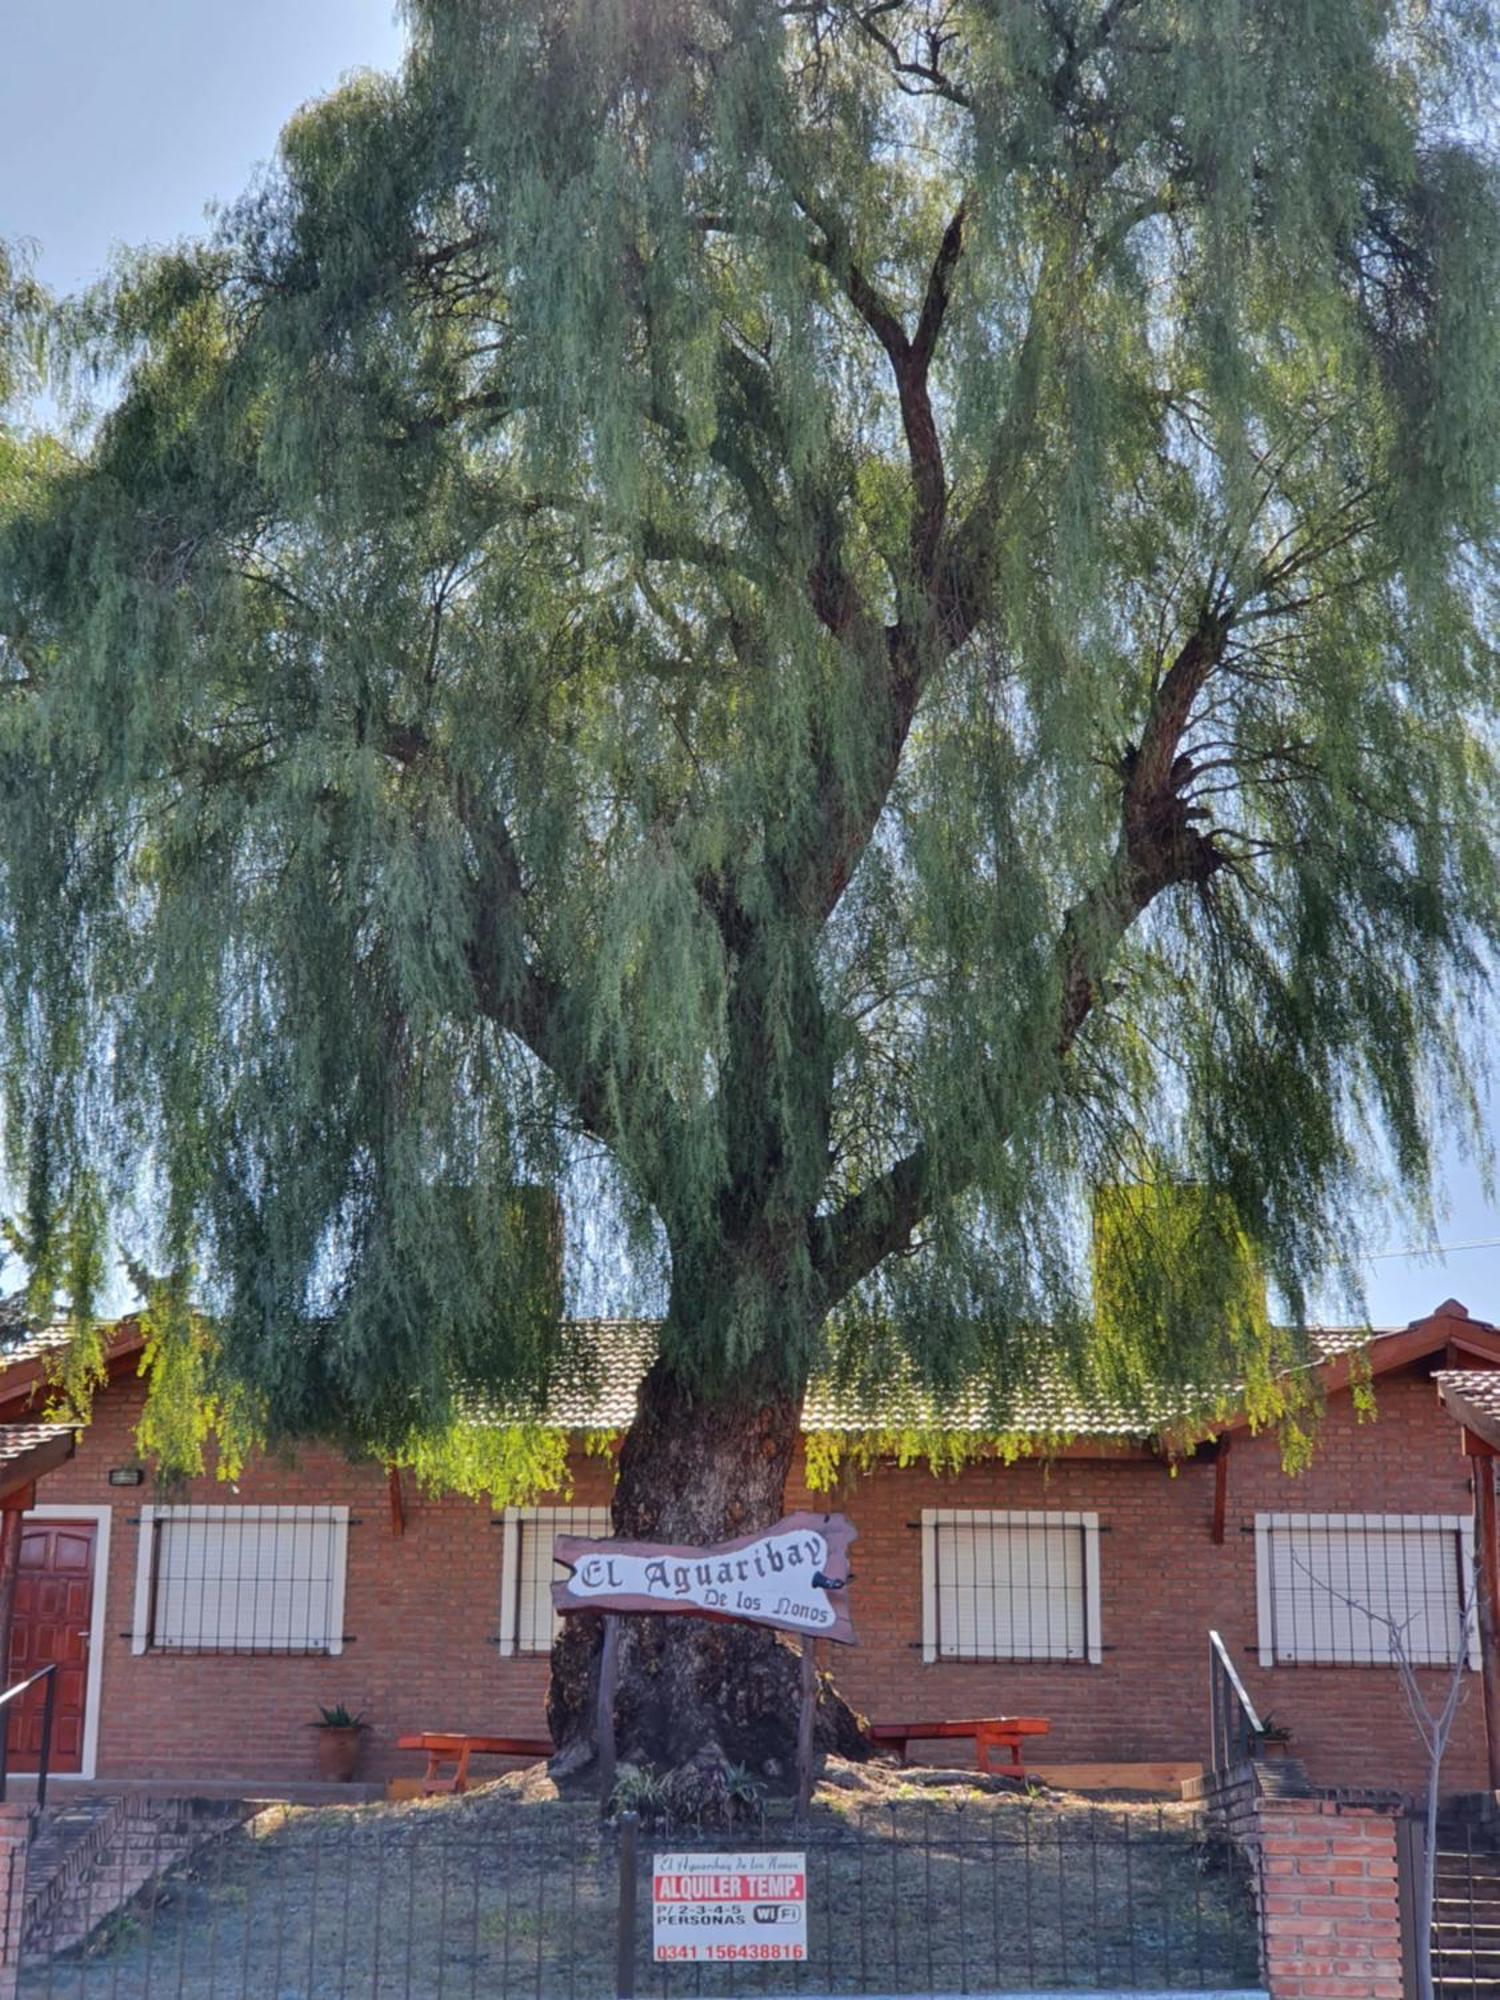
873	612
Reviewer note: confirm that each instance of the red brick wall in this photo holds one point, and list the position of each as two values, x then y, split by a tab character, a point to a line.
1330	1908
1163	1584
423	1610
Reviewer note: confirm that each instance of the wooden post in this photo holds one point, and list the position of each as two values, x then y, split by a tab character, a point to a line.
609	1666
1482	1467
11	1518
625	1911
805	1726
1221	1489
12	1512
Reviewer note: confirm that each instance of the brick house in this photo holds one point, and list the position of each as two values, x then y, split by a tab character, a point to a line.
1080	1585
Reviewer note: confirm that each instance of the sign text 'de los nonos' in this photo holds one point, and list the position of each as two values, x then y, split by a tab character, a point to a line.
729	1906
791	1575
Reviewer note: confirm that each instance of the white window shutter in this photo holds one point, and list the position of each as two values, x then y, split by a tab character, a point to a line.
241	1580
1010	1585
528	1623
1331	1587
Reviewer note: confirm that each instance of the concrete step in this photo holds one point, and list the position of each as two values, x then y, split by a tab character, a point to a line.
126	1847
64	1853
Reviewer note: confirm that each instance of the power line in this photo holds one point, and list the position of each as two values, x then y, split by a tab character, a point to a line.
1437	1249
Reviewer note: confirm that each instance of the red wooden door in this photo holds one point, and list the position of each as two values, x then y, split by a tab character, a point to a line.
54	1609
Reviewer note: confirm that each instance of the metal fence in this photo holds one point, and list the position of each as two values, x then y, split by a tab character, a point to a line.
480	1902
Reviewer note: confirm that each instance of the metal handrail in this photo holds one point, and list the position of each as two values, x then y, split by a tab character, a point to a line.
1235	1727
47	1674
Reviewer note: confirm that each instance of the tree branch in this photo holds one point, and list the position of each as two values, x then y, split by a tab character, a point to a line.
1158	848
509	988
910	362
894	661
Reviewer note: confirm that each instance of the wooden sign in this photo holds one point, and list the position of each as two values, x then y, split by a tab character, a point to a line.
792	1576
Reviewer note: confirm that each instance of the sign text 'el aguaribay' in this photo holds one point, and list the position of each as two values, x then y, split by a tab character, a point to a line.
791	1575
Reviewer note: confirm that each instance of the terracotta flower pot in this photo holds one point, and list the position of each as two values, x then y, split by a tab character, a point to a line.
338	1753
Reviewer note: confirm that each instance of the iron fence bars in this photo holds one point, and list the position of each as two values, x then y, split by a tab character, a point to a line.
1235	1729
954	1900
481	1899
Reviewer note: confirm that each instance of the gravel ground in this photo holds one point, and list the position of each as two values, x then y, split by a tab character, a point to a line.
917	1883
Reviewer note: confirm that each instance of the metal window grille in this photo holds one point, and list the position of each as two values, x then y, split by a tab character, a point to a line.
1339	1589
1010	1585
528	1623
241	1580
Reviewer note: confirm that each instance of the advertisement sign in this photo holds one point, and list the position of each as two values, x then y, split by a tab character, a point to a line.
792	1575
707	1907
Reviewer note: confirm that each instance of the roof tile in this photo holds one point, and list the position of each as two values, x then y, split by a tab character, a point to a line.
596	1388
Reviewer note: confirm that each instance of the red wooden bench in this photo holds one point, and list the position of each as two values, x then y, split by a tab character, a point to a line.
449	1747
985	1732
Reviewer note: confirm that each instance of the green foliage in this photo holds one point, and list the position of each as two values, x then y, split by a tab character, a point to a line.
23	308
339	1717
743	1787
189	1401
879	617
1173	1273
641	1791
512	1464
832	1456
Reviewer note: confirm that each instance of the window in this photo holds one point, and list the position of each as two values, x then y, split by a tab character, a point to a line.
528	1624
1010	1586
1326	1585
241	1580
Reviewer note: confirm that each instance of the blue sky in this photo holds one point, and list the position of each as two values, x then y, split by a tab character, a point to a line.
120	122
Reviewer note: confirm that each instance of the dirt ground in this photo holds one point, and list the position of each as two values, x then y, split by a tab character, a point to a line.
917	1882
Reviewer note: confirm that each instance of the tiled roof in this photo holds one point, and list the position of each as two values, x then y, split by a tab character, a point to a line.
28	1451
598	1393
595	1390
16	1440
20	1344
1479	1387
1472	1396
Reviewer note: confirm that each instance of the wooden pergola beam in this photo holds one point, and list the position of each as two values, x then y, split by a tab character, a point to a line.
1471	1396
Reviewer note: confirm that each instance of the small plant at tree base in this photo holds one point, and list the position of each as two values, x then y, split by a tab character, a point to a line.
745	1791
641	1792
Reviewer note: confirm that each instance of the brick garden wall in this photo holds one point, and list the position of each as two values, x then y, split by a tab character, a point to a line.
15	1837
423	1610
1330	1918
1326	1883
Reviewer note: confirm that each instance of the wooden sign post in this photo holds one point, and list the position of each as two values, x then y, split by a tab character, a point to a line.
791	1576
805	1726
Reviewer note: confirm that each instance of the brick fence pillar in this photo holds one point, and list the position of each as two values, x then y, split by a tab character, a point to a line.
1330	1911
15	1838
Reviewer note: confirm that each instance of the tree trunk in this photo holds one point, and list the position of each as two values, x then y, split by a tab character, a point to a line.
695	1694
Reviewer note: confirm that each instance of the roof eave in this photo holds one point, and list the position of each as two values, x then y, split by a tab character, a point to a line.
25	1468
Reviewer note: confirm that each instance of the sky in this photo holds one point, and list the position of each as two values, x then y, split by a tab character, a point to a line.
122	120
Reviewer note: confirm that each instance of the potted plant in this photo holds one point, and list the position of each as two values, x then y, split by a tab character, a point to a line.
1273	1739
339	1735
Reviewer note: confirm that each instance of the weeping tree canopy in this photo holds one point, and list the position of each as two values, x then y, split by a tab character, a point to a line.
873	615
